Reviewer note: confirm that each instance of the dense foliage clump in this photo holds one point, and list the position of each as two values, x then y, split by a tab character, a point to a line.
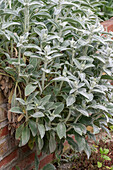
104	9
60	59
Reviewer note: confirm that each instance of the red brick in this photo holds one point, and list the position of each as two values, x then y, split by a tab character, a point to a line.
108	24
3	115
4	131
25	149
8	158
4	147
46	160
26	161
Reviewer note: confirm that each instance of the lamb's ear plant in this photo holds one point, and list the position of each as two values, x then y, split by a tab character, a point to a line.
61	62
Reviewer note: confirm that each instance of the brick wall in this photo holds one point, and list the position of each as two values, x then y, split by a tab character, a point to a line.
108	25
10	154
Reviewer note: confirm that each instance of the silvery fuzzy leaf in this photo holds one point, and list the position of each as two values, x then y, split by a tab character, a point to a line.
16	110
70	100
72	91
45	100
42	14
29	89
98	91
61	130
81	75
108	72
32	46
37	115
99	106
41	129
52	143
77	63
88	66
61	79
8	24
82	111
46	71
25	135
64	3
81	85
51	37
52	117
83	93
30	107
100	59
86	58
72	143
33	127
57	11
40	143
87	150
79	128
59	109
96	129
36	3
80	142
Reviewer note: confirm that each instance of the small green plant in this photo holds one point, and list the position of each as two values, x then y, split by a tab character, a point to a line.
57	160
104	157
111	128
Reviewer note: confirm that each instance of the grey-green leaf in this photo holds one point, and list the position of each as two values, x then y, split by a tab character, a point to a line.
61	130
19	131
21	101
16	110
45	99
37	115
41	129
70	100
25	135
59	109
87	150
29	89
52	143
33	127
49	167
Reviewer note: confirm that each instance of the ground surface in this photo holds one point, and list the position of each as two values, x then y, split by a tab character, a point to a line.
81	162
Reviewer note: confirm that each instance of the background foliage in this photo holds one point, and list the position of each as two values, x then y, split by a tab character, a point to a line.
104	9
60	59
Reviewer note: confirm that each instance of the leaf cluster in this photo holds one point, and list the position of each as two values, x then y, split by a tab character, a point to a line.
62	57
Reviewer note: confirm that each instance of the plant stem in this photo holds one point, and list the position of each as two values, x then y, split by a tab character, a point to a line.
19	59
47	85
69	114
11	48
86	48
61	86
73	54
26	20
43	76
76	120
27	117
7	49
9	1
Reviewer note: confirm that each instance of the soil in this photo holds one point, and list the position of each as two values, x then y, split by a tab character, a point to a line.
81	162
